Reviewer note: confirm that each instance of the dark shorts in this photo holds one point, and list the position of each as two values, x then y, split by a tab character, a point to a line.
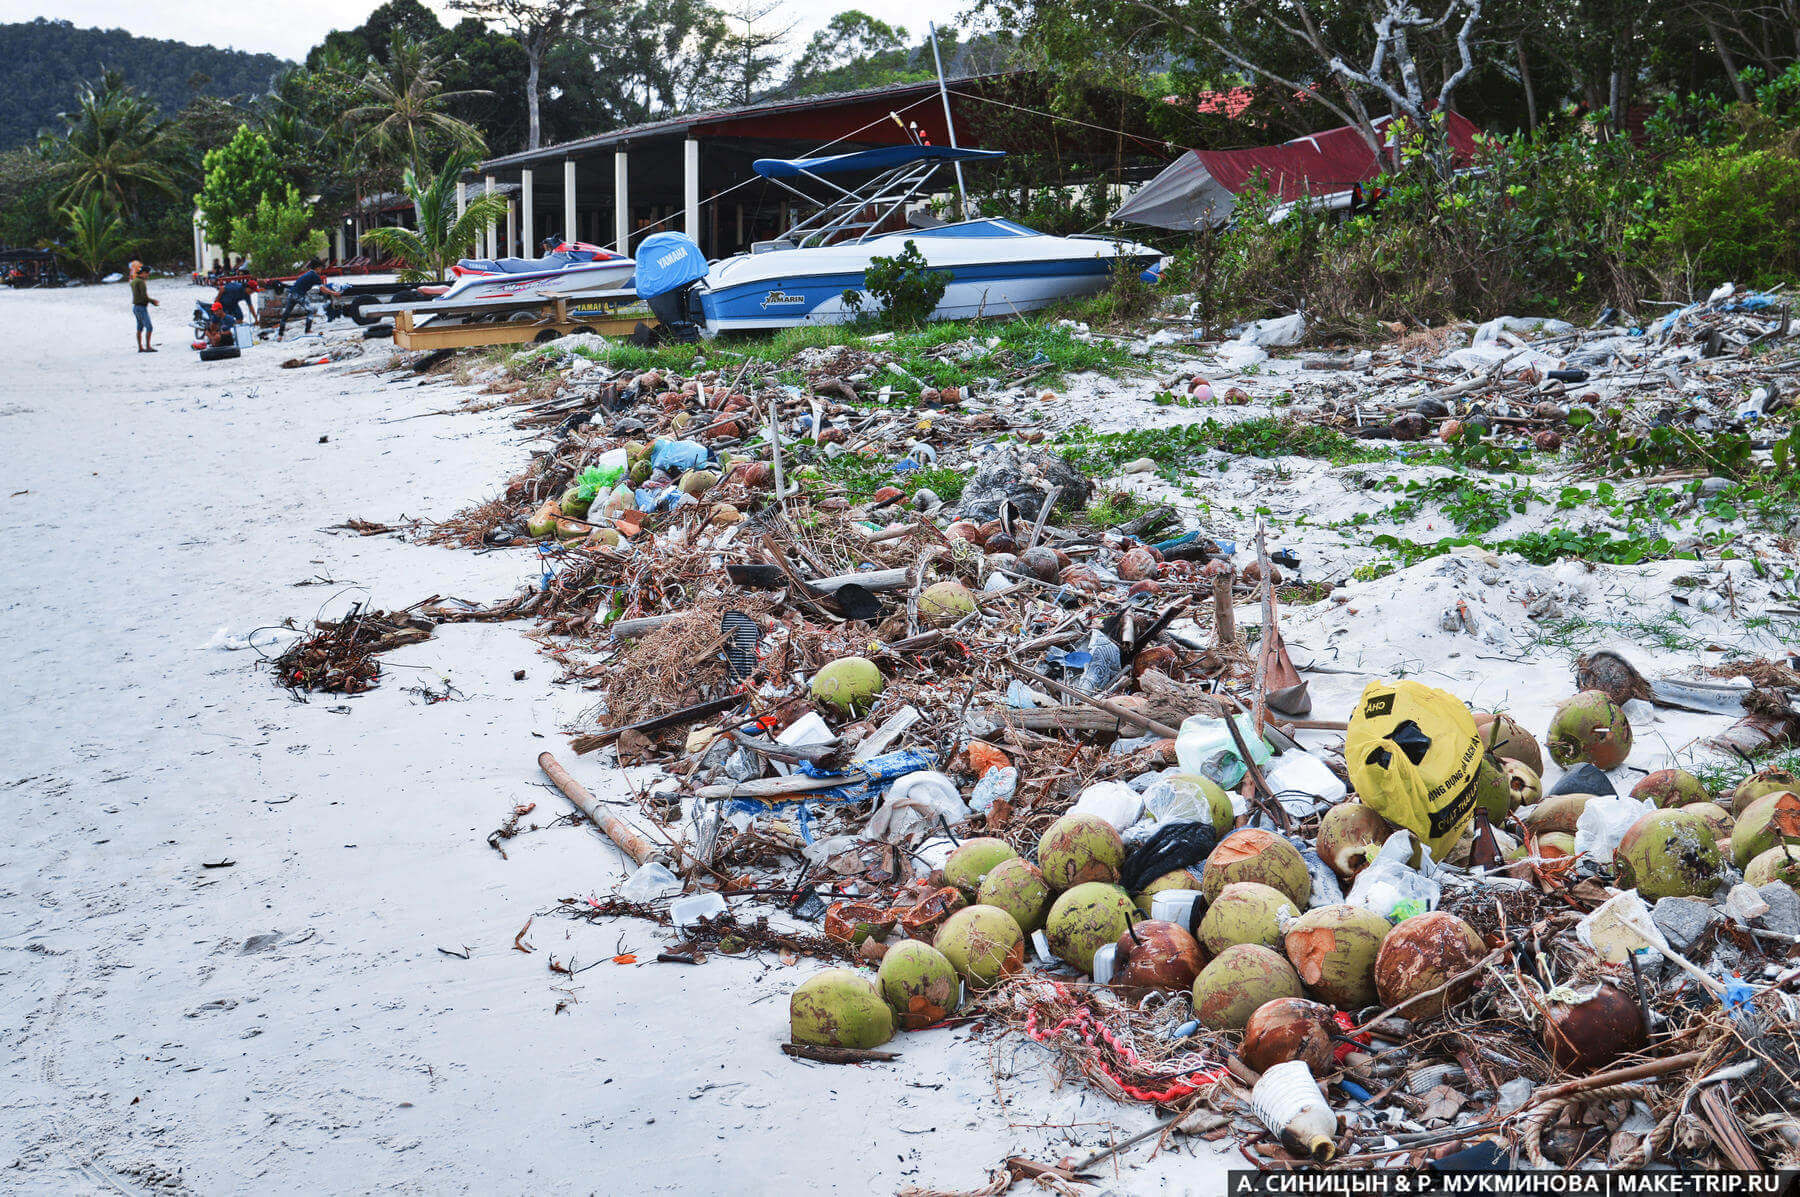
142	312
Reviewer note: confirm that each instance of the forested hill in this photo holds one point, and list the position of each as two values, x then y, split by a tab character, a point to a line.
43	62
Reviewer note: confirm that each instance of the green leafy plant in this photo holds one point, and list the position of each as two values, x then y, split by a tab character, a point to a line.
238	175
427	252
278	233
905	286
96	235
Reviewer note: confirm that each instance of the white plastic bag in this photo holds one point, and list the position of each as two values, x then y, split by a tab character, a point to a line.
1603	823
1276	332
1113	801
1392	888
914	805
650	882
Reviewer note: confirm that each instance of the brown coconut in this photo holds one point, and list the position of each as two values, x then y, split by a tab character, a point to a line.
1421	954
1289	1029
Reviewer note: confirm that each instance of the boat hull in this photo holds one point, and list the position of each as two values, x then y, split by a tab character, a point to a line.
989	276
577	280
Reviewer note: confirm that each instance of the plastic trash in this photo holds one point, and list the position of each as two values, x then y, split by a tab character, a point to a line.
1537	326
1113	801
1604	822
685	912
677	456
1276	332
1302	782
1287	1100
651	882
1391	887
915	804
1205	746
1238	356
1183	907
996	785
1620	926
1103	664
1174	799
1326	890
1102	968
808	729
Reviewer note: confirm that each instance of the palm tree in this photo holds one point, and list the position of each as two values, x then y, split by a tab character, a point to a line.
115	147
405	106
96	234
428	252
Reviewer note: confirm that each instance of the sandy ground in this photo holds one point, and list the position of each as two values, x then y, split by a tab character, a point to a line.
289	1023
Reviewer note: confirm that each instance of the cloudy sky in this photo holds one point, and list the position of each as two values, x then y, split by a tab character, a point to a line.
298	27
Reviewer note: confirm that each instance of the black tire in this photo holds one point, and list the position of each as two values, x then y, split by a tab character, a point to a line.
354	308
407	296
378	332
549	334
218	353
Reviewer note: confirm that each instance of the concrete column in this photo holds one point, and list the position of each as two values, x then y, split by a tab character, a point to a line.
570	232
527	215
462	198
622	201
493	230
690	191
199	244
512	229
337	242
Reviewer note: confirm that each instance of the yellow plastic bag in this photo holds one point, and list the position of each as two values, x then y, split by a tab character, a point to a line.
1413	752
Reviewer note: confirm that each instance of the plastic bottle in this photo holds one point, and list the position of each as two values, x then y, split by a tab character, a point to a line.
1287	1101
1205	746
650	882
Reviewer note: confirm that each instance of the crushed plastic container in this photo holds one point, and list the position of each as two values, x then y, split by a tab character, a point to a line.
998	784
651	882
1183	907
686	912
1391	887
1287	1100
1297	773
1205	746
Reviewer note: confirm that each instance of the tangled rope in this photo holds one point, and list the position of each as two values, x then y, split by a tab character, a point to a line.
1086	1028
1541	1117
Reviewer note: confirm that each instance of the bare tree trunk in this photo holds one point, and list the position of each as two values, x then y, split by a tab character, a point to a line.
534	57
1531	118
1731	67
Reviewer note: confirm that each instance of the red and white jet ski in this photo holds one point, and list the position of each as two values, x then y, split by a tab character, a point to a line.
572	268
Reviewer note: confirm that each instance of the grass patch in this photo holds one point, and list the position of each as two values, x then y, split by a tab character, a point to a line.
1722	776
1114	508
862	476
1184	447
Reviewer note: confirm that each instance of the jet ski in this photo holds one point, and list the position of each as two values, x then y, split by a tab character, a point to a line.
571	268
994	267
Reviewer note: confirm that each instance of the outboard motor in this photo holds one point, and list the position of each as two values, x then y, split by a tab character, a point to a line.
668	267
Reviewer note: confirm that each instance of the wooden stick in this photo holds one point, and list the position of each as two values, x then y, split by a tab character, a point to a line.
1111	708
616	829
1224	614
838	1055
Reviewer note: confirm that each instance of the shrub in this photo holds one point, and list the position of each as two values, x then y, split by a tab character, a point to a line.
907	289
1730	213
278	233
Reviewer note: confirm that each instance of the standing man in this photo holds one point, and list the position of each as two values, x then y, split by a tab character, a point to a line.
141	304
296	297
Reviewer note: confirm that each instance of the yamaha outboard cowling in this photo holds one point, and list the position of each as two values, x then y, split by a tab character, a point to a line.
668	266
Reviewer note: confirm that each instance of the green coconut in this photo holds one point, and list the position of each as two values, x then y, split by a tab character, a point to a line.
850	684
1670	788
1777	864
1717	818
1017	887
1252	854
919	984
1556	843
605	536
1086	919
1239	980
839	1008
974	859
983	943
1493	792
1333	948
1559	812
1507	739
1078	848
1246	912
1769	781
698	482
1527	787
1179	879
1350	836
636	451
1589	727
944	603
1669	854
543	520
640	472
1755	832
574	505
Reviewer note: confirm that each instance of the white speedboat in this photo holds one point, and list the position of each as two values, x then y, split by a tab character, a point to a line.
572	268
994	267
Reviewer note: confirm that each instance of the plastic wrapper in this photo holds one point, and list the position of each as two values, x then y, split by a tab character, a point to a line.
1113	801
1391	887
1604	822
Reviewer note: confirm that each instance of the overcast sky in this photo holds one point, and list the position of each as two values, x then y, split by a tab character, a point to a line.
294	28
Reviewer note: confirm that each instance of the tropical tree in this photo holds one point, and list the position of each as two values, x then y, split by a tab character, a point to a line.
278	233
96	235
405	108
114	146
537	25
238	174
427	252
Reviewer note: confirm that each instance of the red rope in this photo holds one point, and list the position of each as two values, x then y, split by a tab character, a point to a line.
1085	1027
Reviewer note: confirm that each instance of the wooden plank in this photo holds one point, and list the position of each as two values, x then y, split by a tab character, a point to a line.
462	336
506	303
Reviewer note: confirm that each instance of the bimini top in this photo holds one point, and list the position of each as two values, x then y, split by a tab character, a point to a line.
885	158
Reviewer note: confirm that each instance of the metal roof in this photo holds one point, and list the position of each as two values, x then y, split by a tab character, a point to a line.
683	125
